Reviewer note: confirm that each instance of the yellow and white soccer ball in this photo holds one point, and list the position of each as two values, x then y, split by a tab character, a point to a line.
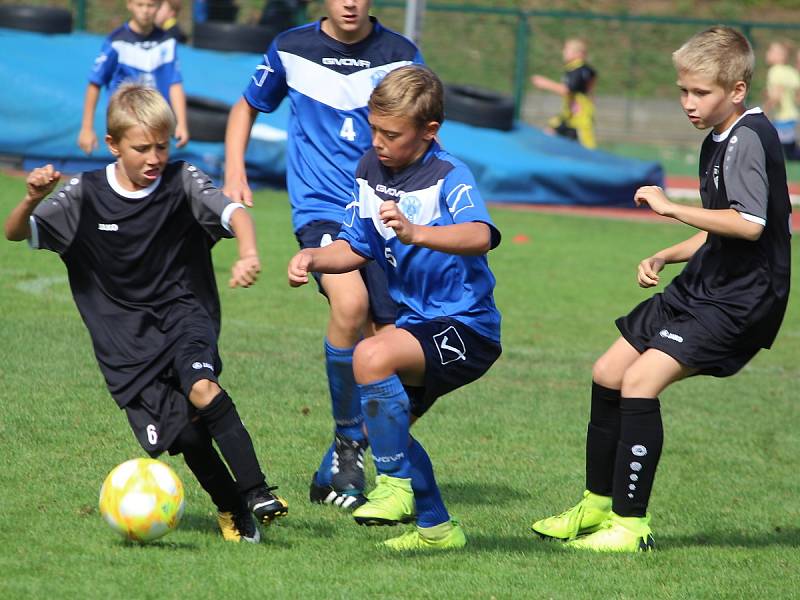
142	499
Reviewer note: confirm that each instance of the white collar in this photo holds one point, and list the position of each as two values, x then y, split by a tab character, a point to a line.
721	137
111	177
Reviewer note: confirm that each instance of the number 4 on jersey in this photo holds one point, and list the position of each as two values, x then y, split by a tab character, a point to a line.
347	131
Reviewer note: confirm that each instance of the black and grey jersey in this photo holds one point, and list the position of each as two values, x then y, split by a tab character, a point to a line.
139	264
737	288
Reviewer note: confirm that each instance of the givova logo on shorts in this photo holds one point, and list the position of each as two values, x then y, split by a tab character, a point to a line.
450	345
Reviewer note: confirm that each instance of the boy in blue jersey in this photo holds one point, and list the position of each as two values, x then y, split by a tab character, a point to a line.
137	52
328	70
418	215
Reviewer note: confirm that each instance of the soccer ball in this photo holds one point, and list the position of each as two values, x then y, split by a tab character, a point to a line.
142	499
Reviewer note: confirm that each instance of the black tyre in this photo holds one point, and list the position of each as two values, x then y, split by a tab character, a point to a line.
43	19
479	107
207	118
232	37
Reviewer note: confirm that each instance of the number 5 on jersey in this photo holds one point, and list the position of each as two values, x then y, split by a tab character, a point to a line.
347	131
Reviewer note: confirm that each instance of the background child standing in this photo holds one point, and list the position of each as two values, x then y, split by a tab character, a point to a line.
136	52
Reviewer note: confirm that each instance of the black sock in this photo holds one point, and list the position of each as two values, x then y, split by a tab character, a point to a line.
194	442
602	436
227	429
640	441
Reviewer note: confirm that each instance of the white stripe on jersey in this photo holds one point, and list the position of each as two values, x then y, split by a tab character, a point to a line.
339	91
145	59
753	218
420	206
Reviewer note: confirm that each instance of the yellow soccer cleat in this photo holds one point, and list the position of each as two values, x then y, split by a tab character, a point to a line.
236	527
446	536
583	518
390	503
618	534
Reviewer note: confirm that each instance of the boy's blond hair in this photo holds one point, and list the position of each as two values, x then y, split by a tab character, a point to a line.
579	44
413	92
134	104
719	52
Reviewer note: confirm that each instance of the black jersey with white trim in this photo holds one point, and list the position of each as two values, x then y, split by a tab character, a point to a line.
738	288
139	265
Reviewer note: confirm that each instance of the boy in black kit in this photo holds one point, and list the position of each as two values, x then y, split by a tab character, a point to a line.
726	304
136	239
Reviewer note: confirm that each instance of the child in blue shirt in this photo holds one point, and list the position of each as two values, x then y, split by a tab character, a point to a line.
418	215
141	53
327	71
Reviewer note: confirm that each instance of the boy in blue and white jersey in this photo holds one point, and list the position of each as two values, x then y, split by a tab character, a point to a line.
418	215
327	70
141	53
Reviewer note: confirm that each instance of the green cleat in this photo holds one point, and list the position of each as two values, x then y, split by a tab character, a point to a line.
446	536
390	503
583	518
618	534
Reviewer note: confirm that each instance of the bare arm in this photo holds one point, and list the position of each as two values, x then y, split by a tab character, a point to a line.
39	184
649	268
87	139
245	270
177	98
337	257
237	135
727	222
470	239
549	85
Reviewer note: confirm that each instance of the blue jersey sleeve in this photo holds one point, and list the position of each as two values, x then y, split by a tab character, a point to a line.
104	65
175	69
464	202
353	230
268	85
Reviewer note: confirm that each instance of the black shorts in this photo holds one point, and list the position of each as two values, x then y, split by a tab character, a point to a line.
162	409
317	234
655	324
455	355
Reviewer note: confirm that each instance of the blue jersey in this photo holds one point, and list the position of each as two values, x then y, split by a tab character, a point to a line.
150	60
329	84
436	190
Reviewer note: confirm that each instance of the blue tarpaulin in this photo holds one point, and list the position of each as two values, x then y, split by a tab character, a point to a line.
43	80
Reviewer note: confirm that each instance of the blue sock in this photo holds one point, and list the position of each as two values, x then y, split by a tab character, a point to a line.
345	400
386	412
324	475
430	508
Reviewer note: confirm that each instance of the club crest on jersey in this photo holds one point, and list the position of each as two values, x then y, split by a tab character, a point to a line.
410	206
377	77
450	345
346	62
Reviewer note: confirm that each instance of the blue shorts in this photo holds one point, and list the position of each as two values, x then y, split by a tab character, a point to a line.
656	324
382	308
455	355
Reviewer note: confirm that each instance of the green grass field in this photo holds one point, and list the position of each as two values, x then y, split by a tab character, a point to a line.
507	448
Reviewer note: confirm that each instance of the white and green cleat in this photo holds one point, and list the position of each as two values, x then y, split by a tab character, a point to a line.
618	534
390	503
446	536
584	518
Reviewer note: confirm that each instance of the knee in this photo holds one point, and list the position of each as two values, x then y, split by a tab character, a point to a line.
349	314
606	373
372	361
635	383
203	392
